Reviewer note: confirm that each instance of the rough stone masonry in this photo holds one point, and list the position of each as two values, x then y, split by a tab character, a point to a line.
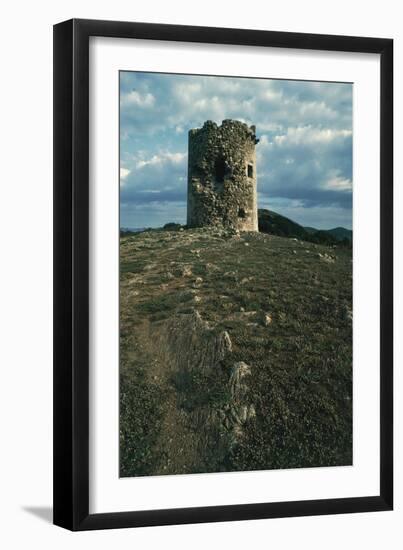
222	176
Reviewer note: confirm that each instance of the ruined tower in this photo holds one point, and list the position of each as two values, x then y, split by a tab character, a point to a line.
222	176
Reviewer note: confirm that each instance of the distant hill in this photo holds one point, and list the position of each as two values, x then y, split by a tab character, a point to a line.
341	233
130	230
275	224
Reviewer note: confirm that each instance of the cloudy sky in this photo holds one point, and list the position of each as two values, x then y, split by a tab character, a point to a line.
304	157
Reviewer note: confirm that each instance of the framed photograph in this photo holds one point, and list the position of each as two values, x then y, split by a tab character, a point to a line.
223	322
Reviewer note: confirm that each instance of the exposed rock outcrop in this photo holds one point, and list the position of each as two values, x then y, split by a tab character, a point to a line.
192	350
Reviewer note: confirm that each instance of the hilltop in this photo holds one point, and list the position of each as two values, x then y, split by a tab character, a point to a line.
275	224
236	352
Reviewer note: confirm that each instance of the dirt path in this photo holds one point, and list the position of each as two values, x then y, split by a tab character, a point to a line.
177	442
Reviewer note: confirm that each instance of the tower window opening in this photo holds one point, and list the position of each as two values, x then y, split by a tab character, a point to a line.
250	170
241	213
219	169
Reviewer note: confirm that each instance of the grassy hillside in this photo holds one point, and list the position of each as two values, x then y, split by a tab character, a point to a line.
236	352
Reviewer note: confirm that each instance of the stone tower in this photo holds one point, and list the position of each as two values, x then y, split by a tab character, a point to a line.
222	176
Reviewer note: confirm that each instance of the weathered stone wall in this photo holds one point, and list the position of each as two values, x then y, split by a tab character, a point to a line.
222	176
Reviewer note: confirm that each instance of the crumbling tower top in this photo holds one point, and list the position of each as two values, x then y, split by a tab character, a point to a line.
222	176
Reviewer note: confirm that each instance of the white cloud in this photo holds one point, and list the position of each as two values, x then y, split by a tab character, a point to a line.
138	99
271	95
264	141
338	184
269	127
185	90
301	135
317	108
174	158
124	172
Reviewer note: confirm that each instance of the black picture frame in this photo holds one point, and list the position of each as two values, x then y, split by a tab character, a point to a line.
71	274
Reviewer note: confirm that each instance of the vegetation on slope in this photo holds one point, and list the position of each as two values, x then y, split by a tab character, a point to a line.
275	309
